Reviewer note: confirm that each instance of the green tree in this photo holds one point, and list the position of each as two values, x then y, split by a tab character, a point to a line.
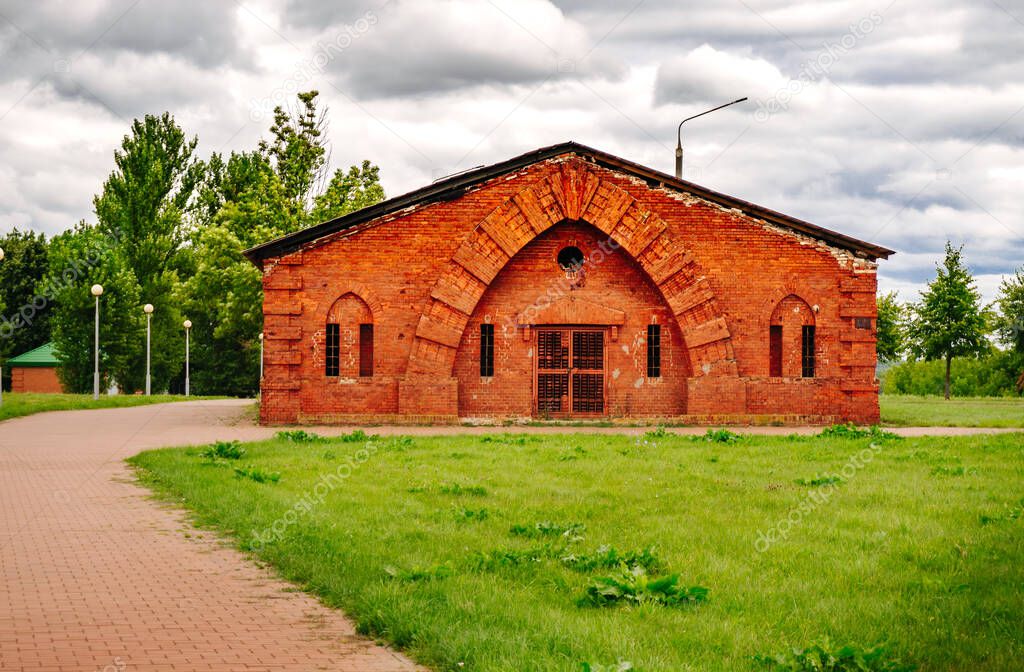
79	259
347	192
248	199
223	296
297	150
890	326
24	314
144	198
1011	320
950	320
143	206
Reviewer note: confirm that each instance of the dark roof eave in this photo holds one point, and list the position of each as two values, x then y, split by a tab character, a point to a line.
453	187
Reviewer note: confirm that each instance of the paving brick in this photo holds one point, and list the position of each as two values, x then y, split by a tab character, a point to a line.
95	575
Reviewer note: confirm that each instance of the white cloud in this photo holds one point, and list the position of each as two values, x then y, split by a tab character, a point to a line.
908	140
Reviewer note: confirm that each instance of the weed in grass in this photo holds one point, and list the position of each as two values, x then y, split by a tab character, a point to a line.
507	439
819	481
823	657
932	586
1009	513
329	455
458	490
574	453
658	433
621	666
257	474
299	436
413	574
851	431
571	532
487	561
399	444
954	471
719	436
634	587
358	436
464	515
223	450
608	557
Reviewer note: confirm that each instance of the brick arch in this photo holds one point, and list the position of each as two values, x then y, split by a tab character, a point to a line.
806	294
363	292
572	191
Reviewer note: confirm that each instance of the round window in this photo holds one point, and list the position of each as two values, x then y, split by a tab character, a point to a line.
570	258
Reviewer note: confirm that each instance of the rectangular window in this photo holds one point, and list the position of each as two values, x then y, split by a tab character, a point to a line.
808	351
333	350
486	350
365	350
654	351
775	350
862	322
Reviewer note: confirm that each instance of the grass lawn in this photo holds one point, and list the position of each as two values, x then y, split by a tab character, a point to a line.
471	552
909	410
17	405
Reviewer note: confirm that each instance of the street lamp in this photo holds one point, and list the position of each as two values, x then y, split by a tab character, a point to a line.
148	309
188	326
97	291
679	135
261	359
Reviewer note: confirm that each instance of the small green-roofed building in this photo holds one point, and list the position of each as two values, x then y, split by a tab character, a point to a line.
35	371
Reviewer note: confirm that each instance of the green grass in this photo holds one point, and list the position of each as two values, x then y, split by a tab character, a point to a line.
19	404
451	548
906	410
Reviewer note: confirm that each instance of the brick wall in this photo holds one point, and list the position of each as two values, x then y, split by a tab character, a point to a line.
714	279
35	379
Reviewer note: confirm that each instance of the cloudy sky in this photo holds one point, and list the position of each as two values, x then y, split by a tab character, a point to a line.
899	121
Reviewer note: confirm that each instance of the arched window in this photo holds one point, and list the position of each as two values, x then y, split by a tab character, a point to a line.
349	341
791	339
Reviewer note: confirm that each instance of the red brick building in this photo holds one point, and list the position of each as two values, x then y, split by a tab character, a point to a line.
568	283
35	371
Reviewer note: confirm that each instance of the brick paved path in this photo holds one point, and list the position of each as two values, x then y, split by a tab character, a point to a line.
95	576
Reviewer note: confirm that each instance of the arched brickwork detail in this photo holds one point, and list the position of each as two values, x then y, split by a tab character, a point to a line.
363	292
572	191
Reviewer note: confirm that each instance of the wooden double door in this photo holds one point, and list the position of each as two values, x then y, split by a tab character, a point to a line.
570	372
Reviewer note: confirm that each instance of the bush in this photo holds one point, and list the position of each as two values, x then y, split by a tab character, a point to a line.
994	375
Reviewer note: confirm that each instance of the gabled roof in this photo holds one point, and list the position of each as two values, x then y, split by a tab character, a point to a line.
41	356
455	186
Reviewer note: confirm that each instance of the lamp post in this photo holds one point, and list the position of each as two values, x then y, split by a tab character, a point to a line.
148	309
261	359
97	291
679	135
188	327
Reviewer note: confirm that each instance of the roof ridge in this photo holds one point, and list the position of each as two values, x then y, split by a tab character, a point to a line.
455	185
